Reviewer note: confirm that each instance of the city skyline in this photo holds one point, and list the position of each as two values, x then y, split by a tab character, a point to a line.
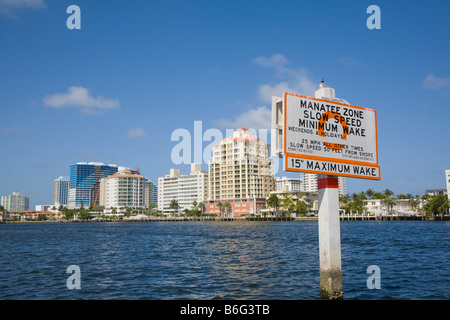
115	90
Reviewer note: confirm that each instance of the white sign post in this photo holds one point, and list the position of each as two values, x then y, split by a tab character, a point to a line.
331	138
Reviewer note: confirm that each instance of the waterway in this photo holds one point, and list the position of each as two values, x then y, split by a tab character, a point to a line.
220	260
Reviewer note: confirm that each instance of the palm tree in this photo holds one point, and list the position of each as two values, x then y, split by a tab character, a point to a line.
227	207
174	205
300	207
389	203
287	202
202	207
273	201
370	193
151	206
220	205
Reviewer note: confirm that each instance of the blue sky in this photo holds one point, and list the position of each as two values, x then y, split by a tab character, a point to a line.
115	90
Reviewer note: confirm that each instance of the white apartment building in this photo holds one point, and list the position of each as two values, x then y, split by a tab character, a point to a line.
185	189
288	184
447	181
240	173
122	189
309	183
379	208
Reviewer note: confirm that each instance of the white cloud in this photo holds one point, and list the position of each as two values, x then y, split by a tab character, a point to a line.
292	80
277	60
8	7
80	97
258	118
136	133
432	82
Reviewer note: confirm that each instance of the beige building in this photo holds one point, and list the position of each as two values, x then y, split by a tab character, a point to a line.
240	174
123	189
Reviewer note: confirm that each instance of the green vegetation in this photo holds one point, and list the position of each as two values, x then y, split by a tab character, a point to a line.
432	205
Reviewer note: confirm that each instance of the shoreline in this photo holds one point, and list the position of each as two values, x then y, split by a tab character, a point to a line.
254	219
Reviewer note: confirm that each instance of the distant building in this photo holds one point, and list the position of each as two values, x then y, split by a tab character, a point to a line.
447	181
240	174
149	193
36	215
309	183
60	191
15	202
378	207
185	189
43	207
84	186
309	198
155	195
436	192
288	184
123	189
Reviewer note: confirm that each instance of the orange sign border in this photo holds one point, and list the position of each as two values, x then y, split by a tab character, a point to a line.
319	158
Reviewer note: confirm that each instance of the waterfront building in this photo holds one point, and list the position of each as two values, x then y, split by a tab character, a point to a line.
240	175
60	191
84	185
380	208
447	181
123	189
185	189
309	183
37	215
311	200
288	184
15	202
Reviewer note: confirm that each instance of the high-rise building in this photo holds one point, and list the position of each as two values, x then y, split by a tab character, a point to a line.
60	191
447	181
149	193
84	185
309	183
123	189
185	189
155	195
15	202
240	174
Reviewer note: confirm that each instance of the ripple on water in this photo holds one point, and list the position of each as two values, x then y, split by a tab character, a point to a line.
236	260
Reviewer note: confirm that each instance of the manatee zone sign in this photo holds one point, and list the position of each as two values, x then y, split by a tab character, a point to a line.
331	138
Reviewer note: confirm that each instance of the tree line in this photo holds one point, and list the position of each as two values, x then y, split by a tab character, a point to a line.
431	204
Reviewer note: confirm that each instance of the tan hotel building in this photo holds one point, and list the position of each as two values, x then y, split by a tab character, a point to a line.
240	173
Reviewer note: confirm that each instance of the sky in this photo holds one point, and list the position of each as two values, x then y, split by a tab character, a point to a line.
116	90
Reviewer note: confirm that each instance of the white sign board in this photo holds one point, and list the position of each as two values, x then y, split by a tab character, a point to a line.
327	137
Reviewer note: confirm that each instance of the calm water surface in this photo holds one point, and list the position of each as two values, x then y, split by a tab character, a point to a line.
220	260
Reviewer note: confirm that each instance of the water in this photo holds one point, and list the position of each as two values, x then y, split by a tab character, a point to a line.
220	260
